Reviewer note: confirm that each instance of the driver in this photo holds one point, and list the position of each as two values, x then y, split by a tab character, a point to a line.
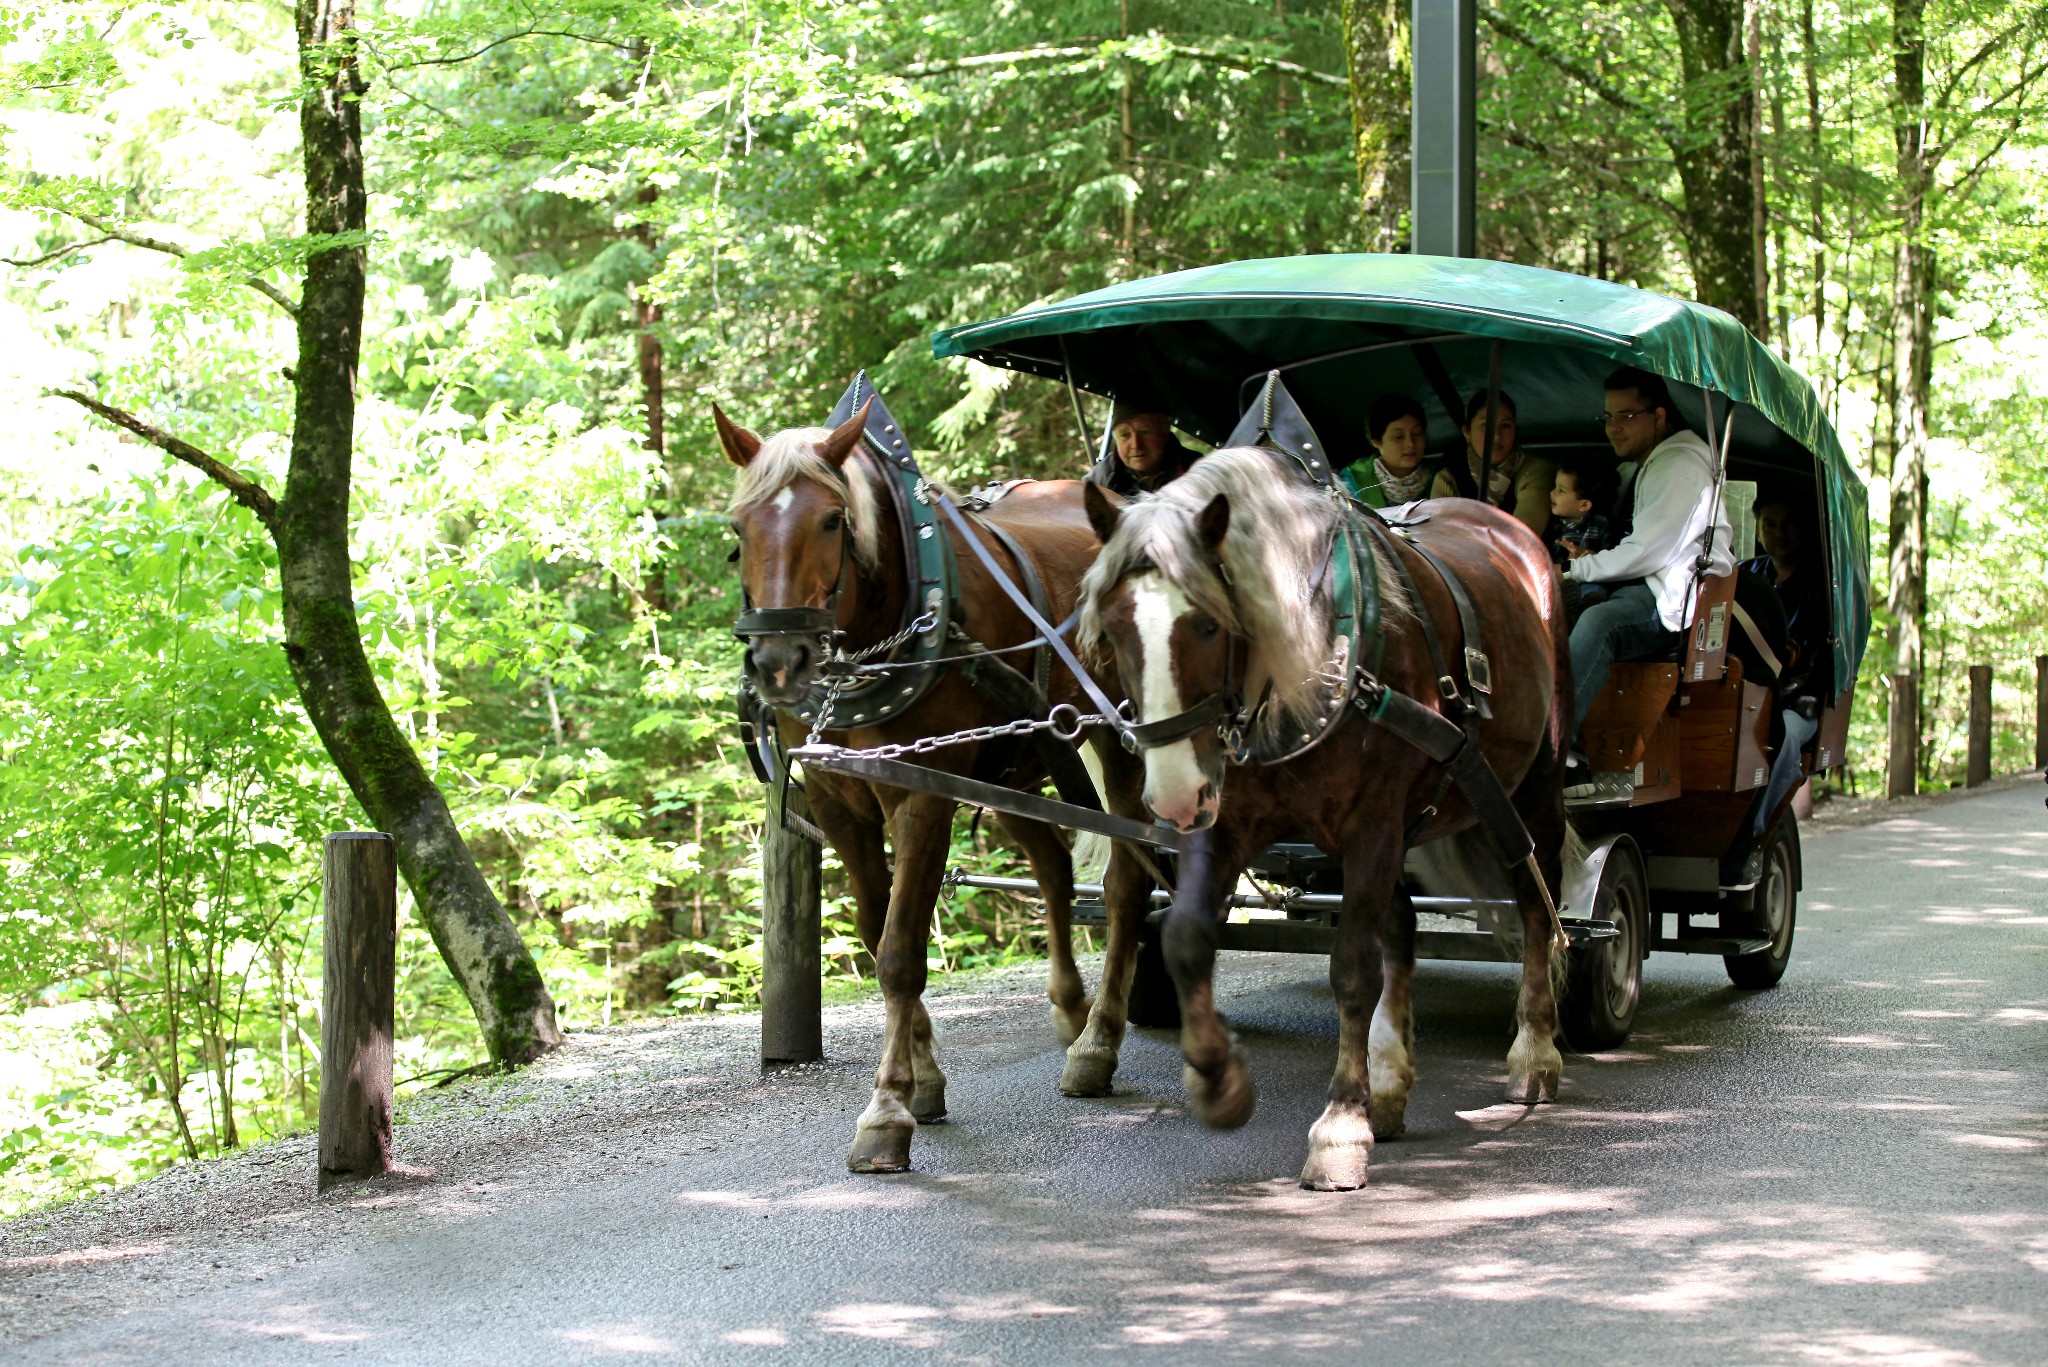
1638	591
1147	456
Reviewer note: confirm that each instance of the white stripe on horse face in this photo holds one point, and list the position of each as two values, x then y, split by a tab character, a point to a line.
784	496
1173	781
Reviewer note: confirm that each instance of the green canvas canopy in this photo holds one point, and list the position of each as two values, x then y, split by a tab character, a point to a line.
1345	329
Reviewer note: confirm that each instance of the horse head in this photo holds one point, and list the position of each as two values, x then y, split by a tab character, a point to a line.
808	533
1169	623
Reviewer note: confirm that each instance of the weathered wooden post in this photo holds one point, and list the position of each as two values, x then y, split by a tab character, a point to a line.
2041	711
1902	769
359	886
1977	767
792	1028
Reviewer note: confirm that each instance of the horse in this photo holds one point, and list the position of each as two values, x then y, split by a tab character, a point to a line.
1221	581
818	543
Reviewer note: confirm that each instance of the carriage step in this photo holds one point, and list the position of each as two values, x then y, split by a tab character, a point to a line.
1725	945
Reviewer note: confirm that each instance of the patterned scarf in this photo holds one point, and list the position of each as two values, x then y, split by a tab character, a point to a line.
1402	488
1499	480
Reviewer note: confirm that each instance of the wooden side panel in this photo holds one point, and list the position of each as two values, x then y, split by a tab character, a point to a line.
1713	617
1725	724
1658	771
1831	746
1753	735
1618	730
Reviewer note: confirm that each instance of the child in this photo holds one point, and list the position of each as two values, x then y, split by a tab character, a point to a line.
1579	502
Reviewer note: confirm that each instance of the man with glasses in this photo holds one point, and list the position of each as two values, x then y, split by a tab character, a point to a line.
1638	592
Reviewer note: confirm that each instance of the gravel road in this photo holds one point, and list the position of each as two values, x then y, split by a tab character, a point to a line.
1850	1169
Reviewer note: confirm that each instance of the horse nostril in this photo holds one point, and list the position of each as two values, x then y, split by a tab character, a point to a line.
1205	795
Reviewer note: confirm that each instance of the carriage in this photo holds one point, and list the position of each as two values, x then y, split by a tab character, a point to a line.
1289	353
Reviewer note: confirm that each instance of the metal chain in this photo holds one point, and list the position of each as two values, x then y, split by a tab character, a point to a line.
926	620
1065	721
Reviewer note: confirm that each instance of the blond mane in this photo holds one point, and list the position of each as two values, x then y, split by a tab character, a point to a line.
1274	553
791	455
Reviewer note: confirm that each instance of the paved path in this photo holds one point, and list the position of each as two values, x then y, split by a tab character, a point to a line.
1850	1169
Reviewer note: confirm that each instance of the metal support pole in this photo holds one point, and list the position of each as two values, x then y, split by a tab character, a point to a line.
359	891
1443	127
1978	768
792	1024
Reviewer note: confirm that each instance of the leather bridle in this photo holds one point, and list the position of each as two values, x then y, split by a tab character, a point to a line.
1222	709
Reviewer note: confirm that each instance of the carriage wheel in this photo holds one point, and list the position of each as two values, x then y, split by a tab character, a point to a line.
1604	981
1153	1000
1773	912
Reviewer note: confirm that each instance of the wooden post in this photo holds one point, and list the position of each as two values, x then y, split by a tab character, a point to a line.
1977	767
1902	769
792	1026
2041	711
359	884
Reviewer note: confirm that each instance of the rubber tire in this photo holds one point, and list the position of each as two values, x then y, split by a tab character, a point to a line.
1604	980
1773	910
1154	1002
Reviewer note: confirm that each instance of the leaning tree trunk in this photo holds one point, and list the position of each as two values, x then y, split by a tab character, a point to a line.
1714	150
1912	383
1377	60
482	948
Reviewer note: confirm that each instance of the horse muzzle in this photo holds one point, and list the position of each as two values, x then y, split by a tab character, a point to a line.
785	647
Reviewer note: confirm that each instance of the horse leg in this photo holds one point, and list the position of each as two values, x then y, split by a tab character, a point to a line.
1218	1081
881	1140
1127	894
1534	1065
1340	1142
1390	1048
1053	866
858	840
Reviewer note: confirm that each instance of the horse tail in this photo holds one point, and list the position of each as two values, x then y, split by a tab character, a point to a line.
1091	849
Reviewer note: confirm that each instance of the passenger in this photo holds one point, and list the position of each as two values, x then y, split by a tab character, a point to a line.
1638	592
1517	483
1398	472
1147	456
1804	685
1579	503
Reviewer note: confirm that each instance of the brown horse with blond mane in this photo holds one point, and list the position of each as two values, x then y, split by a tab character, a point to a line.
1220	586
818	536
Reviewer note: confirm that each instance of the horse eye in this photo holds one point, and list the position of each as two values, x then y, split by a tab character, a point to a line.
834	521
732	557
1207	627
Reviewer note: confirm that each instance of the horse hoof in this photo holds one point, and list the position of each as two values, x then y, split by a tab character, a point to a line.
1339	1150
928	1102
1225	1101
1088	1072
1533	1073
1069	1022
881	1148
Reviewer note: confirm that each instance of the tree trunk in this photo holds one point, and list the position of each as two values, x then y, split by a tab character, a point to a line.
1912	373
1377	60
476	939
1715	152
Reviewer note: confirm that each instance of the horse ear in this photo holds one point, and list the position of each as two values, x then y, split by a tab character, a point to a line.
846	436
1104	511
741	446
1214	523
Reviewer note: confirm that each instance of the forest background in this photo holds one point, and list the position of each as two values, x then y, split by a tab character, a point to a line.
581	225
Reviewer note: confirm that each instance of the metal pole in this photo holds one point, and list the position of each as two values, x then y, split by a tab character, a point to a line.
1443	127
359	893
1977	770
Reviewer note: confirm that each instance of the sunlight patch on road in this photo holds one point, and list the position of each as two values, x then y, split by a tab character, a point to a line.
1890	1267
1849	1349
98	1253
620	1338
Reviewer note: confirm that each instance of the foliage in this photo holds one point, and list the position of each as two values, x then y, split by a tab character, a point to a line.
737	201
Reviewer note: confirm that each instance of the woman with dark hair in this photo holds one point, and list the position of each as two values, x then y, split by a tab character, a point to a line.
1516	482
1398	471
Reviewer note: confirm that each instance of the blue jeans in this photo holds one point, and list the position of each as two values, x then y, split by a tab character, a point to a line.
1784	769
1620	623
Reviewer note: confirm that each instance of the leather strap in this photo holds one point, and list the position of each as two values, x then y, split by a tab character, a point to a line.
1027	570
1478	671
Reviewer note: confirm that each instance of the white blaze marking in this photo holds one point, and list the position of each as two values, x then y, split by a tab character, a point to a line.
784	496
1172	778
